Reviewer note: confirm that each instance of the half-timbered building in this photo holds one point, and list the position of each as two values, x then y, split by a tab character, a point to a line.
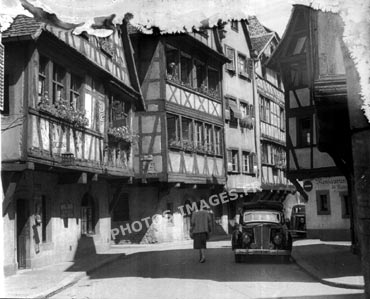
180	154
66	140
240	134
271	117
319	160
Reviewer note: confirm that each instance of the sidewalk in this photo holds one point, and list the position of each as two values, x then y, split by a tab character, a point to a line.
331	263
46	281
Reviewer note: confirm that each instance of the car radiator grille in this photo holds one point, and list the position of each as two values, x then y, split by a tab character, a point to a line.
262	236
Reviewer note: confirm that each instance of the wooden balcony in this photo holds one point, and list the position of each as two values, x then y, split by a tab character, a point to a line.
57	142
270	91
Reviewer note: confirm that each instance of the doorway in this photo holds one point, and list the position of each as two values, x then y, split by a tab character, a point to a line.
23	233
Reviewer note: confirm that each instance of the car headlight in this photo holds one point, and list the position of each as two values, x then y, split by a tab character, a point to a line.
246	239
277	239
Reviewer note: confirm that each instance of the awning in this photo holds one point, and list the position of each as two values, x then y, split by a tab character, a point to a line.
234	108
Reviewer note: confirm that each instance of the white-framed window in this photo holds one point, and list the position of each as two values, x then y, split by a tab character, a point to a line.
230	53
233	160
242	65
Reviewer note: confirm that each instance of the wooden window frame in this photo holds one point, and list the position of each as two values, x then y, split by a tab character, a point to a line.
320	211
234	25
230	66
218	141
177	129
243	71
59	84
300	138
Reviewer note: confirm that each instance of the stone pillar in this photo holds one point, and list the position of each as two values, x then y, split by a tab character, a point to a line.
360	130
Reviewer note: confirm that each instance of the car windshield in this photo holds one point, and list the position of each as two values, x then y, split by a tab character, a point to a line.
261	216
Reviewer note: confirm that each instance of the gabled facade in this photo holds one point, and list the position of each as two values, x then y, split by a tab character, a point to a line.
180	154
239	103
310	59
66	140
271	116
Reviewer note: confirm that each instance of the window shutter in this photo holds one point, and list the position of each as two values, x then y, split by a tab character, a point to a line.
229	161
249	63
251	110
253	165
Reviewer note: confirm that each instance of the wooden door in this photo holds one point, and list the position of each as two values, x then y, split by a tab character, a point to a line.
23	233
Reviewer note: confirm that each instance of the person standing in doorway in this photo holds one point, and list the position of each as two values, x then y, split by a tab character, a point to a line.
200	230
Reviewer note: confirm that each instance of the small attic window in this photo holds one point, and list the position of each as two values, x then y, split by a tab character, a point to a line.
234	25
300	46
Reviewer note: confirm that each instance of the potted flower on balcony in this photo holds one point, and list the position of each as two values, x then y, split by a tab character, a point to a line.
175	143
62	109
188	145
121	134
246	122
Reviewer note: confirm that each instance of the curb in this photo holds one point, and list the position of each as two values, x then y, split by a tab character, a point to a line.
70	281
324	281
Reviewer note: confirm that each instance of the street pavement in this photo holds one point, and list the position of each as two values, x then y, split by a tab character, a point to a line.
172	271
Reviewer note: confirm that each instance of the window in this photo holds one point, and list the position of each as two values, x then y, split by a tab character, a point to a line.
304	132
345	204
323	202
233	123
58	83
265	154
173	129
218	141
242	65
199	133
230	53
282	119
187	132
246	165
75	87
118	111
42	76
265	109
121	211
88	217
234	26
233	160
200	74
172	60
213	80
185	69
208	137
244	108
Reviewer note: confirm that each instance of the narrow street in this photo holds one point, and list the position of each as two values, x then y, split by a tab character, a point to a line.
176	273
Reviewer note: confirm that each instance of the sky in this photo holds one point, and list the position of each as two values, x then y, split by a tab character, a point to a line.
273	14
173	14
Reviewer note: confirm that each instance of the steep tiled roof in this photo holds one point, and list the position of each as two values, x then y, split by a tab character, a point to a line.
255	27
22	26
259	42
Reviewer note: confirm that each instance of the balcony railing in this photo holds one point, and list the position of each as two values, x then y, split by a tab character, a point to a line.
270	90
57	140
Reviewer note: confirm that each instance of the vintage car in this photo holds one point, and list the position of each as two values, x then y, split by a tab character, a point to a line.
298	221
261	231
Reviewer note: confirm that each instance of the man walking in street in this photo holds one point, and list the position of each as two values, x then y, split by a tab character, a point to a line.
200	230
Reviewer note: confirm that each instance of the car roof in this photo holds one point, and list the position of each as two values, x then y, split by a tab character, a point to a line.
263	205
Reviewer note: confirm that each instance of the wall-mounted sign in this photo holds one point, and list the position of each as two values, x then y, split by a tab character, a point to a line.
307	186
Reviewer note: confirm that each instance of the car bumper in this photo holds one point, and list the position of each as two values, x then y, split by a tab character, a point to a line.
262	251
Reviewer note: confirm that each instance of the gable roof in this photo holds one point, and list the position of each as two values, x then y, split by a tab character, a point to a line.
22	26
118	66
259	42
260	35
